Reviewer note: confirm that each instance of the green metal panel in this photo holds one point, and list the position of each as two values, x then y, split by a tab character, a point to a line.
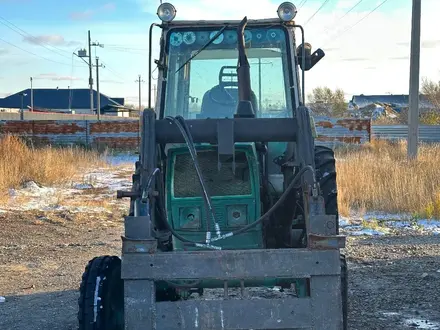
188	215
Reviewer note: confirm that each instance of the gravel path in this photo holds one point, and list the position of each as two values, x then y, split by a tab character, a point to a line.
394	280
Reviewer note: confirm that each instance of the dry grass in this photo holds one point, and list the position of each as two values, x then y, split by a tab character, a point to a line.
378	177
47	166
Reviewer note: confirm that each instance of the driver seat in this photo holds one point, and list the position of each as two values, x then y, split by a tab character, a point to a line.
221	101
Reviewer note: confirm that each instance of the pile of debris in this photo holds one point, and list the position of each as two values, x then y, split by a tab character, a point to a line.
375	111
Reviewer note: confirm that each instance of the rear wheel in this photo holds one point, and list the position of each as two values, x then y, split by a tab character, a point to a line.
101	301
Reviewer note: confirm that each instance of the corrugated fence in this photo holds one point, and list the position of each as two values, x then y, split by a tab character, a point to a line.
116	135
336	131
427	133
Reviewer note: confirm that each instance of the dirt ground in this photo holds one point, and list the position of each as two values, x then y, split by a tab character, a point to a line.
394	280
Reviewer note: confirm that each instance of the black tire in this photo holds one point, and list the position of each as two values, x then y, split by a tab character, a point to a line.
344	291
101	278
325	166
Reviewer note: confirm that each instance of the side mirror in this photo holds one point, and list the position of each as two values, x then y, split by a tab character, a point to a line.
311	59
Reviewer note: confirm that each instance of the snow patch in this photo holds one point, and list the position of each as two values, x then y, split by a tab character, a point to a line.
122	159
378	224
368	232
422	324
81	186
32	196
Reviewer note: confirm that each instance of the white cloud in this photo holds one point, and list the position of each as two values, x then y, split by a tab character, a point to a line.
53	40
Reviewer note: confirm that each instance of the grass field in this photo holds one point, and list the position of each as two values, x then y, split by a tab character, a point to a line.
378	177
374	177
47	166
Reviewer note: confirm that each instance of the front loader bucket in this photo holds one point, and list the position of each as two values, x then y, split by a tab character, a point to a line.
143	266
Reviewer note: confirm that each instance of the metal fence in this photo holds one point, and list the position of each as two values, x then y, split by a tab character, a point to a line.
115	135
339	131
427	133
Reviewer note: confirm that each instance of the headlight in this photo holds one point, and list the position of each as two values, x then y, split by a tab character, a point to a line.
237	215
287	11
189	218
166	12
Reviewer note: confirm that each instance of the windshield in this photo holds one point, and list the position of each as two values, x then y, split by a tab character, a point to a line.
206	87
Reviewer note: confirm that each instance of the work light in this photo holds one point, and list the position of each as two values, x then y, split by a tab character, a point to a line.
166	12
287	11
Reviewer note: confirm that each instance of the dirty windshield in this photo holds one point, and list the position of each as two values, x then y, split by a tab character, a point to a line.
206	86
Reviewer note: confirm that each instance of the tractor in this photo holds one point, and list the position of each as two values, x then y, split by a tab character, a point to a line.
233	219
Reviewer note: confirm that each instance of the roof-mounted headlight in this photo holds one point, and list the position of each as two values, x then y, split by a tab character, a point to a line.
287	11
166	12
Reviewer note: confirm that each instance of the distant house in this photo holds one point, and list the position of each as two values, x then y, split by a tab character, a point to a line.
397	102
74	101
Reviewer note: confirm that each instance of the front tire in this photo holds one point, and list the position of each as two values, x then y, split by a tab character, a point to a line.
325	165
101	301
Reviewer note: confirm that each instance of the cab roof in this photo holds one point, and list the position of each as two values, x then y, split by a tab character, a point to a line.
207	23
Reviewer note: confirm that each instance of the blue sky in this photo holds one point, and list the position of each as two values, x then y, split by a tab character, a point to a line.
370	57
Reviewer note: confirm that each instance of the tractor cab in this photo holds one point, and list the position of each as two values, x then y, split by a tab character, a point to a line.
198	72
198	62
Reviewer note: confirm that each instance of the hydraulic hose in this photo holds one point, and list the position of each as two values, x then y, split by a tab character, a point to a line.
190	143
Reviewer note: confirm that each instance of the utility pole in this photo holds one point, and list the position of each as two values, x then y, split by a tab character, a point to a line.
140	81
22	106
98	109
32	97
83	53
414	78
90	74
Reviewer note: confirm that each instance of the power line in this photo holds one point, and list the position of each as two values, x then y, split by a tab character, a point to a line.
29	52
319	9
351	9
359	21
25	34
125	47
302	4
114	72
125	51
345	14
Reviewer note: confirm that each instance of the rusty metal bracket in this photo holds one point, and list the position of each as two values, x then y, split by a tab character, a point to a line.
130	245
321	242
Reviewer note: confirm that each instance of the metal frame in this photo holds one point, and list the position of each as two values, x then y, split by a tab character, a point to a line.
143	264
